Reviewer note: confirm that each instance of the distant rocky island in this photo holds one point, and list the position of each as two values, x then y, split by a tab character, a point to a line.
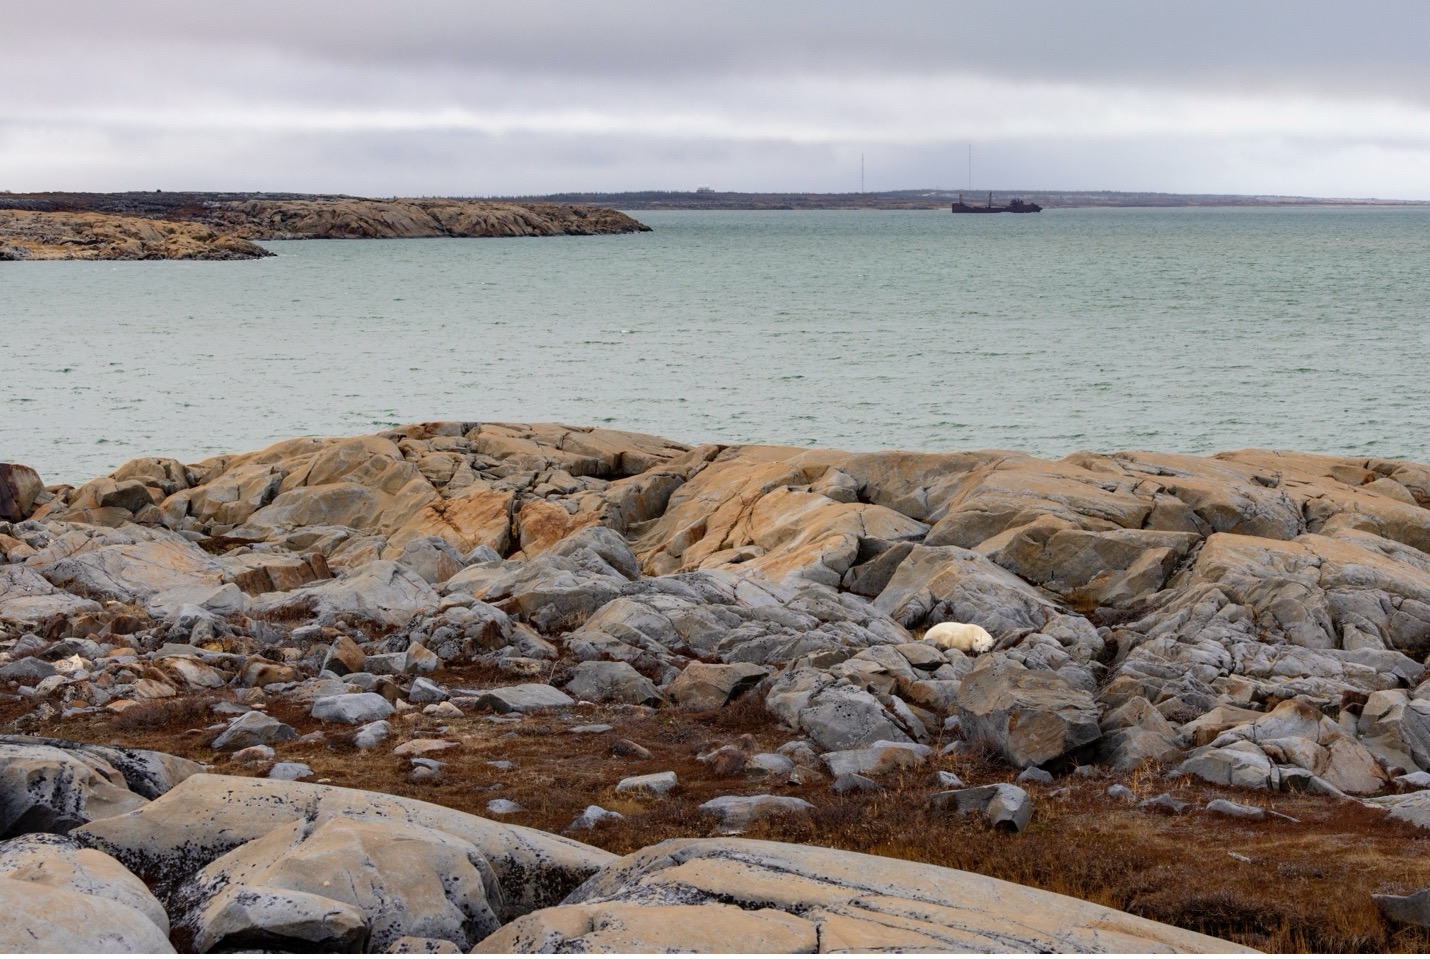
220	226
613	692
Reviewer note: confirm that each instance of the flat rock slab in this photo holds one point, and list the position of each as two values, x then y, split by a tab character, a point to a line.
833	901
352	708
521	698
737	812
207	816
654	784
876	760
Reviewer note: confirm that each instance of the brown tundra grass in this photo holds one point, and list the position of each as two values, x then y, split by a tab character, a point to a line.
1305	888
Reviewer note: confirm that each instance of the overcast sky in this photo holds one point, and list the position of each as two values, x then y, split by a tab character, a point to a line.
1308	97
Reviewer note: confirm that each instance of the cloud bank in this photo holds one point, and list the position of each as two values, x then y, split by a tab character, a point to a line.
1305	97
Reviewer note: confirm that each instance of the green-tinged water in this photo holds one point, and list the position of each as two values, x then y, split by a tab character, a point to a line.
1190	330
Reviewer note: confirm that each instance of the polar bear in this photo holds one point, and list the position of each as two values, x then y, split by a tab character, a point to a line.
964	637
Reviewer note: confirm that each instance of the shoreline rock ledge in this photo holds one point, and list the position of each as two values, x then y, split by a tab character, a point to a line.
1253	620
225	226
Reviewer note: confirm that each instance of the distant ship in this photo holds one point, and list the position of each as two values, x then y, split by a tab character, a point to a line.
1014	206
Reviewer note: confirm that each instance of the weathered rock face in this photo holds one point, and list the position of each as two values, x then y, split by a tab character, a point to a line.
207	817
219	227
398	879
50	919
803	898
1032	717
58	862
54	785
20	488
26	235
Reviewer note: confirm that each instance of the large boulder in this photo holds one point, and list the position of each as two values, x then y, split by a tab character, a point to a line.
339	884
602	682
20	487
833	901
383	591
59	920
138	572
207	816
1032	717
27	597
61	863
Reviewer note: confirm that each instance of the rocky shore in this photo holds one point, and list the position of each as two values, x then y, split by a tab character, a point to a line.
222	226
531	649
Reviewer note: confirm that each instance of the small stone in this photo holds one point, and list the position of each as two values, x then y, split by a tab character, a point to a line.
736	812
630	750
253	728
854	783
422	774
373	733
1119	791
502	764
589	729
1164	803
652	784
290	771
1227	808
425	691
1035	775
503	807
1003	805
253	754
591	816
352	708
947	780
446	710
420	747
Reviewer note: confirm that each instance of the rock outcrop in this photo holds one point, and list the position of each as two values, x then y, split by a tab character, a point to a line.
732	895
224	226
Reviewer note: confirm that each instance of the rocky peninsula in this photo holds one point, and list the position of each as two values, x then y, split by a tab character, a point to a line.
185	226
616	692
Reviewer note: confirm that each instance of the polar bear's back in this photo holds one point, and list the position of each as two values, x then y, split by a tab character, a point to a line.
965	637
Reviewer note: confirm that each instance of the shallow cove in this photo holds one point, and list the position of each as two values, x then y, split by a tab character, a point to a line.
1182	329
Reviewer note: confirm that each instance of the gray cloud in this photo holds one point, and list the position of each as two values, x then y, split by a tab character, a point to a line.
431	96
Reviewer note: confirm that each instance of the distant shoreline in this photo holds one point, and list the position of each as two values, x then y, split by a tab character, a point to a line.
938	199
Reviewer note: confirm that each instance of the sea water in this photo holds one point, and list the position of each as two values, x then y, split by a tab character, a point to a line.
1191	330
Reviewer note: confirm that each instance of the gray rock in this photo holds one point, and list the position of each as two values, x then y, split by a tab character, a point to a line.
56	920
1031	717
1035	775
352	708
503	807
854	783
1119	791
877	759
425	691
422	946
947	780
736	812
1246	766
846	717
290	771
382	590
252	729
1415	780
397	879
712	685
652	784
1413	910
521	698
591	816
1164	802
1001	804
613	682
1225	807
728	895
60	862
372	734
385	664
28	670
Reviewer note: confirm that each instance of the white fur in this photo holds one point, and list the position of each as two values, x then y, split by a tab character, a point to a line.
964	637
